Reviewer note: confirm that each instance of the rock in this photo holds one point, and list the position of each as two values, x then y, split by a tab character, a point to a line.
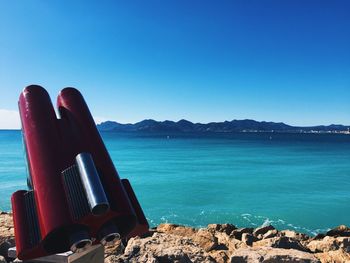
112	259
237	233
330	243
228	243
6	220
340	231
116	249
271	255
294	235
205	239
281	242
225	228
4	246
163	248
319	236
220	256
165	228
270	234
217	243
333	256
248	239
176	230
262	230
6	227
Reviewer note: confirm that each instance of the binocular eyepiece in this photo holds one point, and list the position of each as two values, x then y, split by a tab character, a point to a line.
79	241
109	234
75	197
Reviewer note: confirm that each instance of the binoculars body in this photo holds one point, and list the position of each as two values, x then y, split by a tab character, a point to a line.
75	197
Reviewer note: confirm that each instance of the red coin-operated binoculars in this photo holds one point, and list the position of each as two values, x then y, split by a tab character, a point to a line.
75	197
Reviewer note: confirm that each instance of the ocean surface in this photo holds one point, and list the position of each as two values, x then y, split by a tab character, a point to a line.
294	181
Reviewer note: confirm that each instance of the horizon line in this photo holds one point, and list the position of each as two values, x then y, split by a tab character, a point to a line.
292	125
132	123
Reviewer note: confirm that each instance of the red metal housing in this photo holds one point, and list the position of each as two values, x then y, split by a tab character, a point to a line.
53	216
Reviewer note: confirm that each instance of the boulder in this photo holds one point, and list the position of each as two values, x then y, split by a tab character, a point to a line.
339	231
176	230
113	259
319	236
116	249
237	233
330	243
281	242
294	235
270	234
248	239
224	228
163	248
6	220
333	256
271	255
6	227
262	230
228	243
4	247
205	239
220	256
217	243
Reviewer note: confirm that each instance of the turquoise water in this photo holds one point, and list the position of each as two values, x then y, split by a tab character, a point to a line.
299	181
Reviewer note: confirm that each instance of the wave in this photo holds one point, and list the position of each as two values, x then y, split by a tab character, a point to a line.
203	218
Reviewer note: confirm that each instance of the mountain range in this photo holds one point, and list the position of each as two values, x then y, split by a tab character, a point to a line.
150	125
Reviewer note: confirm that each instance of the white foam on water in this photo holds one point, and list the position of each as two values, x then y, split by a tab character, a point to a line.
267	222
281	221
204	217
246	214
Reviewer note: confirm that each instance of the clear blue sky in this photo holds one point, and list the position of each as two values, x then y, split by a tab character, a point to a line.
285	60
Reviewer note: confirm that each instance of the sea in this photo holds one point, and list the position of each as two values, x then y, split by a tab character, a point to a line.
292	181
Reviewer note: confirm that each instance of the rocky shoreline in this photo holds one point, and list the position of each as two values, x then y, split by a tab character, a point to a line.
217	243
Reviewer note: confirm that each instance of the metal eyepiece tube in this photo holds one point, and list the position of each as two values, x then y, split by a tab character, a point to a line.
79	241
108	234
92	185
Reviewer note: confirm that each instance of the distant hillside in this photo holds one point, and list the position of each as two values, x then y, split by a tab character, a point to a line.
226	126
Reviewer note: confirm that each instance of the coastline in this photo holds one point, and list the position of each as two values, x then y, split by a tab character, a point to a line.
217	243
